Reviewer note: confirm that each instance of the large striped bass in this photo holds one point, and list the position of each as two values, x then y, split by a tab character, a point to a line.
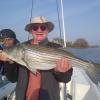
40	57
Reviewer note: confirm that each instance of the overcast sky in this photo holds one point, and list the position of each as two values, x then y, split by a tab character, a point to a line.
82	17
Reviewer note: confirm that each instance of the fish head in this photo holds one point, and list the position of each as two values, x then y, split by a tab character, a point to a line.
14	53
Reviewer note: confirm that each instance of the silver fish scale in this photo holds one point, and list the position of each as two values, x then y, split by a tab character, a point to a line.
40	57
36	62
45	50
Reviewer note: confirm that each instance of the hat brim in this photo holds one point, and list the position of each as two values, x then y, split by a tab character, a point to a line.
50	26
16	41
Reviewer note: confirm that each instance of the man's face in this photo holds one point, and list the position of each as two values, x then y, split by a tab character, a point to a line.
8	42
39	32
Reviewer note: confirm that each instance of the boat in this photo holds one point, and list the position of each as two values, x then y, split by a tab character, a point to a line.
6	89
81	87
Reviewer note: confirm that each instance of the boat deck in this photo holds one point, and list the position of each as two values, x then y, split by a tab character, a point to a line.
79	88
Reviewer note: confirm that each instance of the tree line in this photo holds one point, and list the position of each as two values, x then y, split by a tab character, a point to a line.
79	43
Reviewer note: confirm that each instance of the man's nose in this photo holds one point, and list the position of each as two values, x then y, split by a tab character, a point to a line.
39	30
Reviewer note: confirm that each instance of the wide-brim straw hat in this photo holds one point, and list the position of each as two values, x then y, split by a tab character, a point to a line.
41	20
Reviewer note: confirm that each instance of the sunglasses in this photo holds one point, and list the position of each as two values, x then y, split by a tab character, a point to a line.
43	27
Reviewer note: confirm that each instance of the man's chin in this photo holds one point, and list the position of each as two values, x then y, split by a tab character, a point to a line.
40	39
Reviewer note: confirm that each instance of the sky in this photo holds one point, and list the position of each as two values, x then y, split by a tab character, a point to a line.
81	18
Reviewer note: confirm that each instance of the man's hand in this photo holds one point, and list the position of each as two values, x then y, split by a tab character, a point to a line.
3	56
63	65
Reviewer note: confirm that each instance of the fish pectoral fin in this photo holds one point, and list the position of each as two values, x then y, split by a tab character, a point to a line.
29	67
26	64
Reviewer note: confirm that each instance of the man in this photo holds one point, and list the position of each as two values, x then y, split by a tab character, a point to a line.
7	40
45	84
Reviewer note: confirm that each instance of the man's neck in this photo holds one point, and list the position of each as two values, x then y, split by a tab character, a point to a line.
45	41
34	42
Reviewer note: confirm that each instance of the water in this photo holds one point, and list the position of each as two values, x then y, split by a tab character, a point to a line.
91	55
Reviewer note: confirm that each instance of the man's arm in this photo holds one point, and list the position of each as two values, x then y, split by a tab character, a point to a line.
11	71
63	76
63	70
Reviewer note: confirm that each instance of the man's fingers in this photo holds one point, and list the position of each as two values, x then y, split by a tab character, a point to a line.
1	51
63	65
